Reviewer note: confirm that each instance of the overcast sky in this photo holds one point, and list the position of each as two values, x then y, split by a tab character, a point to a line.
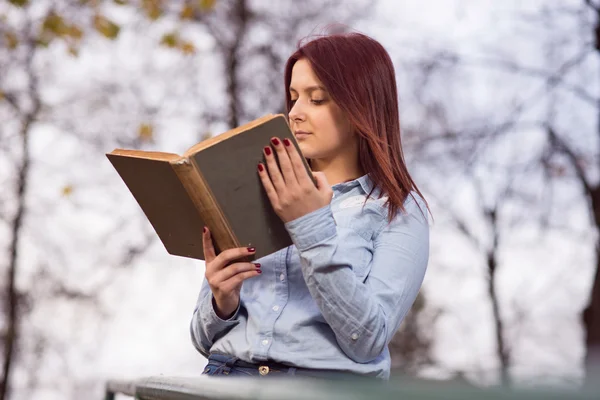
147	330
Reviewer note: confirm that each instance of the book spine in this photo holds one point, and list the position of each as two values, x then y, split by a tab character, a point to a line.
210	212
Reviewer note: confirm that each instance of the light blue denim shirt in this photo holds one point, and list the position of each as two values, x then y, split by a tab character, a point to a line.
336	297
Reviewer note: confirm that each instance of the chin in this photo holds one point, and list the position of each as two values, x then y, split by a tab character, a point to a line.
305	150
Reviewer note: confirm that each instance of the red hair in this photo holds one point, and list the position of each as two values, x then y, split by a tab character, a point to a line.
359	75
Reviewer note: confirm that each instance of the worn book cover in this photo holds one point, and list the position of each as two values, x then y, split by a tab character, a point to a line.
215	183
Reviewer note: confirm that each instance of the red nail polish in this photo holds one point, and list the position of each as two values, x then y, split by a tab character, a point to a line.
259	271
257	265
287	142
268	150
204	229
275	141
251	249
260	167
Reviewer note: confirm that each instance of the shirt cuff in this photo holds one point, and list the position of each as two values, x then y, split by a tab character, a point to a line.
216	317
312	228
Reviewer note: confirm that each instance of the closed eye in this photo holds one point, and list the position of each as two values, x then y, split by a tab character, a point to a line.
315	102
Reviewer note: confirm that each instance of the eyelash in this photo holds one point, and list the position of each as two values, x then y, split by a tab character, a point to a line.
315	102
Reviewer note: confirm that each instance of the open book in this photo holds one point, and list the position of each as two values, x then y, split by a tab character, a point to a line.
215	183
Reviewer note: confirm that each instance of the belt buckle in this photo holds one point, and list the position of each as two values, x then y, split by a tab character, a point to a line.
263	370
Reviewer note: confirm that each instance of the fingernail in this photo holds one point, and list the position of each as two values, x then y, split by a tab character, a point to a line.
204	229
259	271
268	150
257	265
260	167
275	141
287	142
251	249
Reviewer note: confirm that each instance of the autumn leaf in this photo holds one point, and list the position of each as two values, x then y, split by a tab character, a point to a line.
187	48
106	27
54	24
75	32
11	40
146	132
18	3
153	8
170	39
120	2
206	5
187	12
43	41
1	96
67	190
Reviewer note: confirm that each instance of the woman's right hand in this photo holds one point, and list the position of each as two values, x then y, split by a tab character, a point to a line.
224	277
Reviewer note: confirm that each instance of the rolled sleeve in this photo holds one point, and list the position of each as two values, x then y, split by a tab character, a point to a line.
313	228
364	315
206	326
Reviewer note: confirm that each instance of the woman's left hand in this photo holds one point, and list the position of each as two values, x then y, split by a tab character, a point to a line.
291	190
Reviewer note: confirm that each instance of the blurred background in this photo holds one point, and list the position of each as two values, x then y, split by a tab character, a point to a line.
500	111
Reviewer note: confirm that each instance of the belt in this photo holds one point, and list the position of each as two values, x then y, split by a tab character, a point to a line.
266	367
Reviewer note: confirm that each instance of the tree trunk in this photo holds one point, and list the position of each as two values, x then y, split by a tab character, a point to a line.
501	350
591	314
12	298
242	15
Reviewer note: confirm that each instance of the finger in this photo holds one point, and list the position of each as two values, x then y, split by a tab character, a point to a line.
297	164
322	183
285	164
234	269
226	257
273	169
236	280
268	185
207	245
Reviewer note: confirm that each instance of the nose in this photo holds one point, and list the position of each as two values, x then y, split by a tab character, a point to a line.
296	113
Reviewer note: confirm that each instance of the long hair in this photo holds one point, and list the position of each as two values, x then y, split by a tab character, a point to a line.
359	75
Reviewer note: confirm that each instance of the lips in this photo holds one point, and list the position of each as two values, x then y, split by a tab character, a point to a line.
300	134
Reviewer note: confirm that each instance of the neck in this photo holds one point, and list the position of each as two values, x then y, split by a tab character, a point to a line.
337	170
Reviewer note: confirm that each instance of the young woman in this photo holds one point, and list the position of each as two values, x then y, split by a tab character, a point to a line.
330	304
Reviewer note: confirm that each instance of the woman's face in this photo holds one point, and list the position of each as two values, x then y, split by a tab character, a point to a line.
328	133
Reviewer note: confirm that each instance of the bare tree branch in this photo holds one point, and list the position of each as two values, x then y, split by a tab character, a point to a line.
555	78
593	6
12	336
560	146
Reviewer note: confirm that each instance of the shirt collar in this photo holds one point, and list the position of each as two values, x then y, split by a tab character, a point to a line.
364	181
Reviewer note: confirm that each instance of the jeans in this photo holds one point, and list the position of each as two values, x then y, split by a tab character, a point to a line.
224	365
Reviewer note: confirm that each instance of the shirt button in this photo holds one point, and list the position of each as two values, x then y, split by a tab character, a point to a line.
275	308
354	336
265	342
281	277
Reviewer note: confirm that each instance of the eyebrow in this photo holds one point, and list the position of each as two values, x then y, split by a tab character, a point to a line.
310	89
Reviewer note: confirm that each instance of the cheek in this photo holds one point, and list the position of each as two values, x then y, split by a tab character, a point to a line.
309	150
332	130
340	125
331	133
